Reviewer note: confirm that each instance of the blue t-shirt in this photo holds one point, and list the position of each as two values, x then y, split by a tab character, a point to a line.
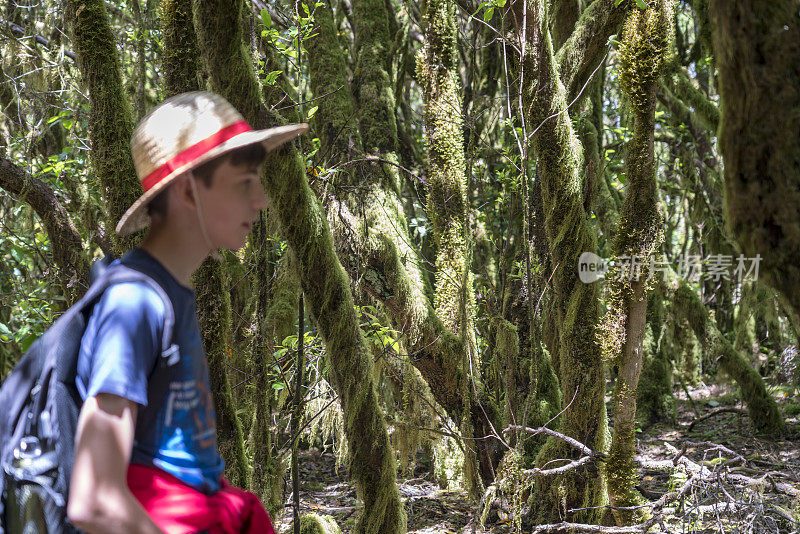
119	355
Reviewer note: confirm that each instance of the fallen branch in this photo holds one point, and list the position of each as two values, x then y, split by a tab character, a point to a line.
572	441
714	413
579	527
557	470
735	456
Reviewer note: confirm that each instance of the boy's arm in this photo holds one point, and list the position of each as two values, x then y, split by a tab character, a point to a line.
99	498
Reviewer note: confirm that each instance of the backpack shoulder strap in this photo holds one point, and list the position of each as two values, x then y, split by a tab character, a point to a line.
119	274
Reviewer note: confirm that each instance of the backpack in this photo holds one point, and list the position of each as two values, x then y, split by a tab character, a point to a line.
40	406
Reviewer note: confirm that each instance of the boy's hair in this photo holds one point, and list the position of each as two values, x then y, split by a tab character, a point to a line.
246	156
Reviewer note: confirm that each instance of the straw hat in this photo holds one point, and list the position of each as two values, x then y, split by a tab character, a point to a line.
183	132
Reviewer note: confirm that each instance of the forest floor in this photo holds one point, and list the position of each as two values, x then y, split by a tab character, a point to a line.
749	483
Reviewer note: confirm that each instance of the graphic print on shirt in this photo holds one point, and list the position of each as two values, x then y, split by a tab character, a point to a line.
175	425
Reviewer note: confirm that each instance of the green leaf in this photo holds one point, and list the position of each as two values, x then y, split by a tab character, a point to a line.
278	385
266	19
270	78
26	342
642	4
311	112
488	14
5	333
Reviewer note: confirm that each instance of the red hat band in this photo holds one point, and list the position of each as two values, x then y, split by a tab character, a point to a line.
193	152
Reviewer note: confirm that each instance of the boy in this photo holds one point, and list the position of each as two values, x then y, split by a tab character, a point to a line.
146	458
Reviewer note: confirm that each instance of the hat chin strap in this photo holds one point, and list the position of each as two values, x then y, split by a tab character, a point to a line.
214	251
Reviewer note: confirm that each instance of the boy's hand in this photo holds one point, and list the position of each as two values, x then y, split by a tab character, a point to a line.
99	499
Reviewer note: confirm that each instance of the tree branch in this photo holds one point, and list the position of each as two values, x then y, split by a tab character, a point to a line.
64	237
583	51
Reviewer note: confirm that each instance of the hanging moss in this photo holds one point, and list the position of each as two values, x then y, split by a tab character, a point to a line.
394	275
110	118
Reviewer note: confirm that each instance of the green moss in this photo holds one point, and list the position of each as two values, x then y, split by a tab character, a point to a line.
214	316
372	87
333	121
585	47
317	524
763	410
706	112
180	60
110	118
580	368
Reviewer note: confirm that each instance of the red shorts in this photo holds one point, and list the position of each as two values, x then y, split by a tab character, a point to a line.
180	509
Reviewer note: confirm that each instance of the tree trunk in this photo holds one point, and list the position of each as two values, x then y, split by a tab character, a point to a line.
381	254
67	245
325	284
110	119
646	38
437	69
569	234
758	45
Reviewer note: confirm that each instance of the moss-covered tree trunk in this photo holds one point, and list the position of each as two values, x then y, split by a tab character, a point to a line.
758	53
110	118
325	284
646	37
181	74
763	411
580	368
448	205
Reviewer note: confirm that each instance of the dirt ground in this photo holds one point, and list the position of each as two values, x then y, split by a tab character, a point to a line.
756	489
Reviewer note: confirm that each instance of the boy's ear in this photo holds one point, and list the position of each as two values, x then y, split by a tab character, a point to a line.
183	190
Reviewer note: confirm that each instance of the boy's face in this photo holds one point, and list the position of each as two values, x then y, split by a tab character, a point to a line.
231	204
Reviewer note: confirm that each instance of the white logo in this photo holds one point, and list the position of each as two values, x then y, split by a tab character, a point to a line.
591	267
